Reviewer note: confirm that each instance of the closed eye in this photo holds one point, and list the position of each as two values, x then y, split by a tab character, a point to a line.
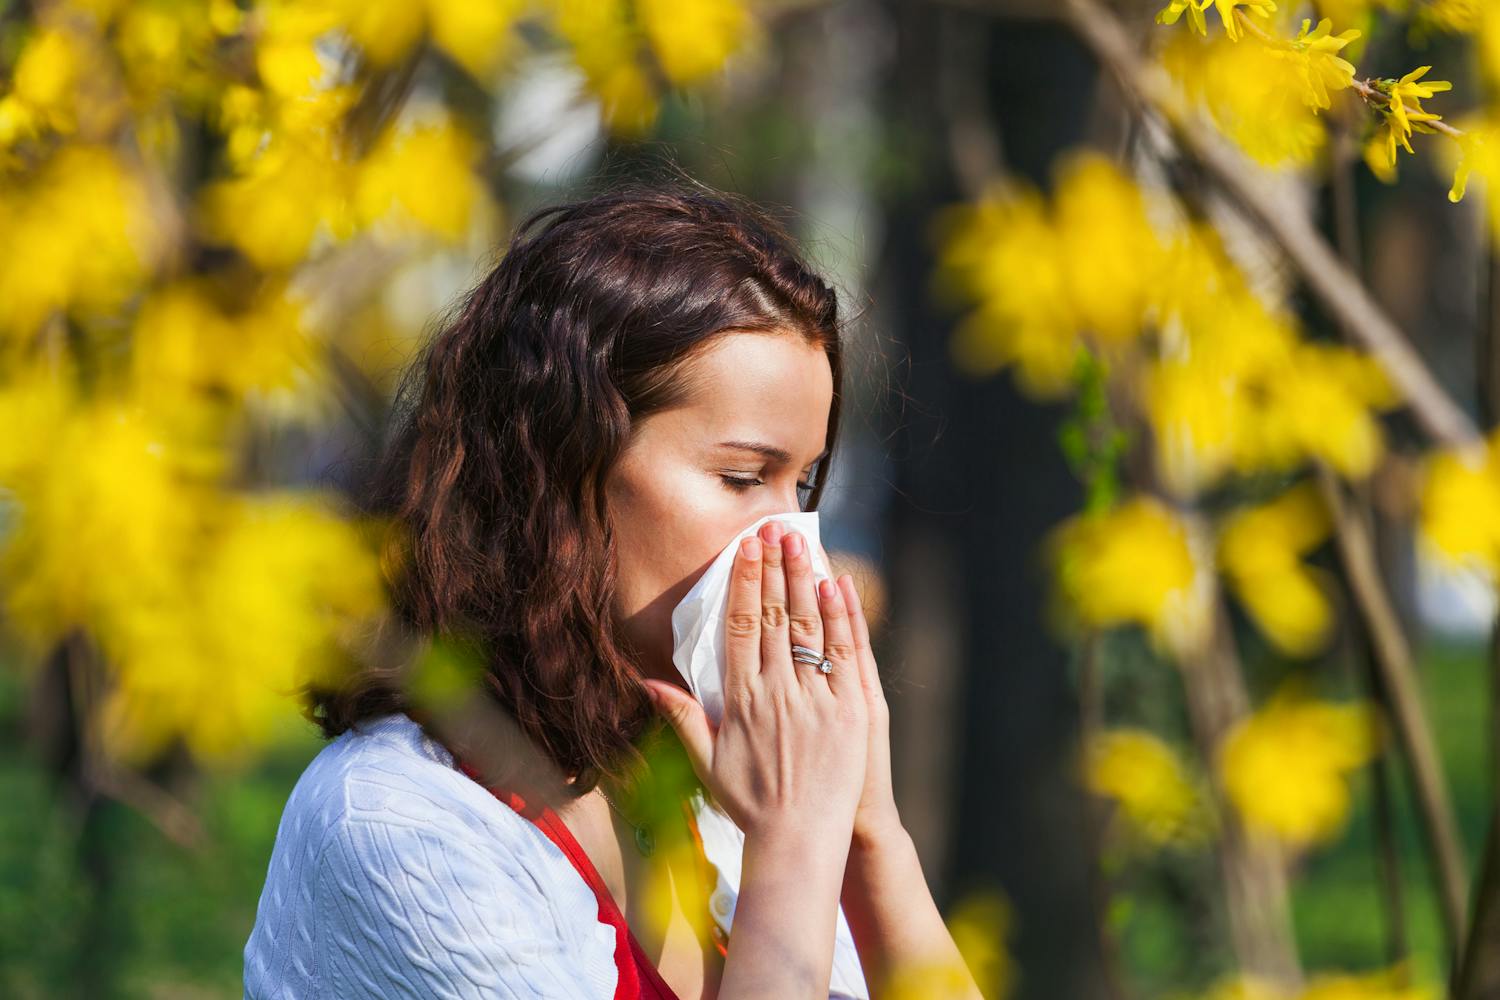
740	484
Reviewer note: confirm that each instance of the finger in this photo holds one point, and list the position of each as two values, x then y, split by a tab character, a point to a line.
775	644
687	719
742	618
860	629
838	643
804	618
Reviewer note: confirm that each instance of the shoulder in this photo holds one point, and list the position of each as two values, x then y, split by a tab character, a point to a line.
414	876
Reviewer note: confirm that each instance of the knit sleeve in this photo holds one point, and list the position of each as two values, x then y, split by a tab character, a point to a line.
412	913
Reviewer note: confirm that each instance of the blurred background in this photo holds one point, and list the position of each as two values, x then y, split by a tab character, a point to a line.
1185	591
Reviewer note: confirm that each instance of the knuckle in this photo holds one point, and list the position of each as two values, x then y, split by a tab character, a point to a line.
742	624
806	624
837	649
743	700
773	616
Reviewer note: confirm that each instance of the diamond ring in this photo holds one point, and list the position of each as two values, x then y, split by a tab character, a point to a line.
812	658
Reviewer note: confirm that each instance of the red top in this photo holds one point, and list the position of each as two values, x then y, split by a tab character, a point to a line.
638	978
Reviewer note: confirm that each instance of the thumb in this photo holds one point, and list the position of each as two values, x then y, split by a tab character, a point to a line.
685	714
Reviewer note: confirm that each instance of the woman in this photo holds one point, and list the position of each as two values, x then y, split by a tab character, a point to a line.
644	374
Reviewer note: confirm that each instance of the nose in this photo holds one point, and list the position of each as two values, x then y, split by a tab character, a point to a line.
783	502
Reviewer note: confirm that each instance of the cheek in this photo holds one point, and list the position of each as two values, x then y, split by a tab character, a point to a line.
667	530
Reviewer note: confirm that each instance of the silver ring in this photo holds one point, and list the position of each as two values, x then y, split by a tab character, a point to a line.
812	658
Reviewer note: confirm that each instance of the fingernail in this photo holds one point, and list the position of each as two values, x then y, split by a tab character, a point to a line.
750	548
773	531
794	544
826	588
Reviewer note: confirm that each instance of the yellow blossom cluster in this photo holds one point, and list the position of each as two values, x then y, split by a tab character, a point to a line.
184	188
1285	767
1264	94
80	236
1138	563
1141	563
1460	506
1048	276
1227	384
1158	801
1264	89
1393	982
209	607
624	48
1260	550
1401	112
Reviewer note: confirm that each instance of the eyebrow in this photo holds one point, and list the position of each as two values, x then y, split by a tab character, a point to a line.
767	450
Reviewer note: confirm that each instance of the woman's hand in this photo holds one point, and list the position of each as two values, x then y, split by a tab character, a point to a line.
876	818
789	755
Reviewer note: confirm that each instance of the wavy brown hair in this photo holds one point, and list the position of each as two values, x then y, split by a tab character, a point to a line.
508	420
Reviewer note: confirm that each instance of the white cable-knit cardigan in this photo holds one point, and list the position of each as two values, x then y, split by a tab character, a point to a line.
396	875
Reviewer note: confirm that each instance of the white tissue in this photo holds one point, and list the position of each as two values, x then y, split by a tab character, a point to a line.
698	619
698	653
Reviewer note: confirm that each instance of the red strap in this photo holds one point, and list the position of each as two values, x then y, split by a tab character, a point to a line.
638	978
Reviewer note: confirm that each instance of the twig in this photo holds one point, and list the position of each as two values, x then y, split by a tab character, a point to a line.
1478	973
1365	664
1327	276
1393	657
1374	96
1253	868
1370	93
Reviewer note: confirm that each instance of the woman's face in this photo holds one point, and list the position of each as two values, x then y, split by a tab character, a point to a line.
673	497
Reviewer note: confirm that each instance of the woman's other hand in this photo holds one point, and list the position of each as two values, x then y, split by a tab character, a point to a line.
876	817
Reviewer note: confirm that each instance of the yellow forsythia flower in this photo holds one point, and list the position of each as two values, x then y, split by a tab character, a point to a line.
980	924
1136	564
694	38
1046	277
1175	9
1391	983
1245	986
1225	9
1244	88
188	342
1406	96
1232	393
477	35
1260	549
688	39
422	178
1487	41
1138	770
79	235
1382	984
1460	506
219	660
1110	252
291	194
98	534
606	47
1458	17
1285	766
1476	153
1004	251
1318	62
55	86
